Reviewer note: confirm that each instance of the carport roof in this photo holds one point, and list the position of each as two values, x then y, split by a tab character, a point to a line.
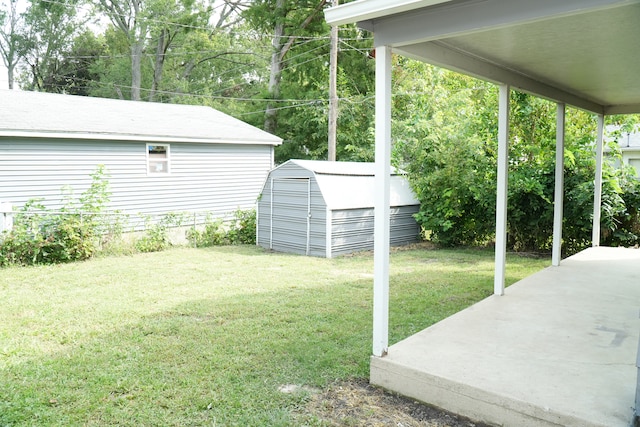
584	53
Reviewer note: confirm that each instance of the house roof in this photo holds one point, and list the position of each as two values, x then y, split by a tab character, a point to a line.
351	185
584	53
45	115
628	141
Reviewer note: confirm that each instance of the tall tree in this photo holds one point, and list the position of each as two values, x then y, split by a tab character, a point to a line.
156	28
129	17
11	37
445	132
79	70
52	26
288	20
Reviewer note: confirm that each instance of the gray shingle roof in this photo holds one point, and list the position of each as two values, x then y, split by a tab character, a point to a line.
64	116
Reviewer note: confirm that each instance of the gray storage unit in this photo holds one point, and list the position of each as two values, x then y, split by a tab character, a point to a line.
325	209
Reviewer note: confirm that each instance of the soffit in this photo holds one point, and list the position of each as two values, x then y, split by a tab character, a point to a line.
585	53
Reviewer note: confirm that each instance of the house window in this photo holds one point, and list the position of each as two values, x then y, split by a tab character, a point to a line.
636	164
157	158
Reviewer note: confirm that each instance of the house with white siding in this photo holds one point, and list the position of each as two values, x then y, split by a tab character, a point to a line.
159	158
629	143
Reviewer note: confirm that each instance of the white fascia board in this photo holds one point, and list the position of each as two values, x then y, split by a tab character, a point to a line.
133	138
363	10
622	109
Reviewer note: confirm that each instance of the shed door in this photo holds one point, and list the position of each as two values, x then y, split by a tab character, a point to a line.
290	214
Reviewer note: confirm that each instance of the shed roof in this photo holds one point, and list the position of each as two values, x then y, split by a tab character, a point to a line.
34	114
585	53
342	168
351	185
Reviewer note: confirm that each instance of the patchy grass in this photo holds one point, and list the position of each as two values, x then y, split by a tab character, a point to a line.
210	336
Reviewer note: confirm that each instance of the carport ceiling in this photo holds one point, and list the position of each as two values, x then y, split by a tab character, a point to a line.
585	53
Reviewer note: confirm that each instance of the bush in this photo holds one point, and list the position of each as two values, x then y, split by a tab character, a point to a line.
39	237
451	158
243	228
156	238
240	230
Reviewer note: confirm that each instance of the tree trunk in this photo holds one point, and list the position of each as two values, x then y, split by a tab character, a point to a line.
136	71
270	116
159	64
280	49
10	77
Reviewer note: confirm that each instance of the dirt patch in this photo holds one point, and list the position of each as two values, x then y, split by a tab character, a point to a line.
357	403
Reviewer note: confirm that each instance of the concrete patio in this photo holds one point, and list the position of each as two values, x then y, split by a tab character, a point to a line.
558	349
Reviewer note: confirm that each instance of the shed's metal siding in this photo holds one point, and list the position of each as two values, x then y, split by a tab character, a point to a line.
214	177
284	196
352	229
288	188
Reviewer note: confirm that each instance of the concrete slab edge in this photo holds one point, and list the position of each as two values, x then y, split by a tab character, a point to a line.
465	400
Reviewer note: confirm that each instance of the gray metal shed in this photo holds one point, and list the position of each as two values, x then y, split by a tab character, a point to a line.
324	209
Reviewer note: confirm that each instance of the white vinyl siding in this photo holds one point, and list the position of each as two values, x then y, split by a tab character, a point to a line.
635	163
216	177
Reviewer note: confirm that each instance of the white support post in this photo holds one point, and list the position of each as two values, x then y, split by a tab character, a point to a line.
6	217
558	198
501	194
597	187
382	202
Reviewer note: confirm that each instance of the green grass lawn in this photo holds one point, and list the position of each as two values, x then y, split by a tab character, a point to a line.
195	337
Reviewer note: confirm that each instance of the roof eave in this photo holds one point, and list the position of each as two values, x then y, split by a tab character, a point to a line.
364	10
134	138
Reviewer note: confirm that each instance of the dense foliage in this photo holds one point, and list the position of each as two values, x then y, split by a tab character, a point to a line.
446	138
40	236
84	228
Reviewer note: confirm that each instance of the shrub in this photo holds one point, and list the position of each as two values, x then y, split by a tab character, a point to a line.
156	237
243	228
240	230
41	237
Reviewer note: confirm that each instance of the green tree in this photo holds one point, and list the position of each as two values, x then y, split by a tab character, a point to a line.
52	26
12	37
288	21
297	91
77	72
445	128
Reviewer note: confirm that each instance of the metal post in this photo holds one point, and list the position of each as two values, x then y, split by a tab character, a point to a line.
271	216
308	215
333	90
501	193
597	188
6	217
382	202
558	198
195	223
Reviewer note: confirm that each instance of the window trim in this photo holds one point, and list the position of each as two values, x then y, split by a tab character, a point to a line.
149	147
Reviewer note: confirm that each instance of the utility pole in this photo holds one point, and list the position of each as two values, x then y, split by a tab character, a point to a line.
333	90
